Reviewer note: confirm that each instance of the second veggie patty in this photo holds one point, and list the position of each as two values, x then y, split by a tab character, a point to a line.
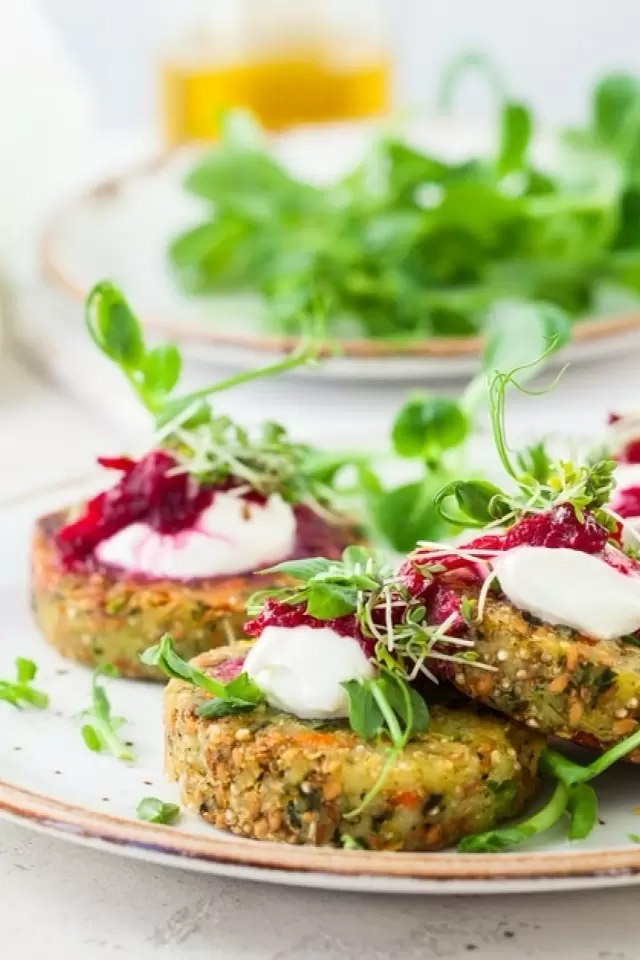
269	775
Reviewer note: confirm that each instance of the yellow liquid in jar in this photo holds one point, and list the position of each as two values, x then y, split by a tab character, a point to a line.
280	91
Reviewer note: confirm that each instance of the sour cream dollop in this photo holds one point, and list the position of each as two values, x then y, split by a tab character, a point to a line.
231	536
572	589
300	669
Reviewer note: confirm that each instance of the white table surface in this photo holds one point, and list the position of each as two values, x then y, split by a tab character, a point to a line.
91	904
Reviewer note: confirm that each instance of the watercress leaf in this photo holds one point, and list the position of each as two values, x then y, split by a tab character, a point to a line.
365	716
304	569
328	600
515	134
217	707
406	514
112	325
518	332
428	424
582	807
153	810
91	738
161	368
25	670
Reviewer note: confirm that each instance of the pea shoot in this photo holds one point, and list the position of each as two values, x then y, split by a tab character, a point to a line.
100	731
208	446
21	691
240	695
572	799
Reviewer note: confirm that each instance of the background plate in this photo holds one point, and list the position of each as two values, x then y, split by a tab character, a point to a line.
50	781
121	227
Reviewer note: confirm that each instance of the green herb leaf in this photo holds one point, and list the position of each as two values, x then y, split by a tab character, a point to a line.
161	368
365	717
582	807
479	503
397	690
518	332
328	600
502	838
428	424
100	731
515	134
21	691
352	843
301	569
406	514
634	837
239	695
153	810
112	325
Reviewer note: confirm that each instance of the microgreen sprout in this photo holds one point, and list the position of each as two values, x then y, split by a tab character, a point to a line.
100	732
363	585
541	482
21	691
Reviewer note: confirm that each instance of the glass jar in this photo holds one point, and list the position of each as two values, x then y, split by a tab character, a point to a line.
289	62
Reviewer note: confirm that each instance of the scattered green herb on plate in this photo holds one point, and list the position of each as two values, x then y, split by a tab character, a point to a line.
154	810
100	731
21	690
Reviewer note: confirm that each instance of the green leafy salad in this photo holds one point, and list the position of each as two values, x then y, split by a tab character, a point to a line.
412	245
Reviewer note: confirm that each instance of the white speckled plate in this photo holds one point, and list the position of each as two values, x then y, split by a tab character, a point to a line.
120	229
51	782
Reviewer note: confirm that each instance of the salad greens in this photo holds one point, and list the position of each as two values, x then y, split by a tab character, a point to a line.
100	732
410	244
21	691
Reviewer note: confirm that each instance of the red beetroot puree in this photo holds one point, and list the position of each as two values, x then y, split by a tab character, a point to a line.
274	614
149	492
557	528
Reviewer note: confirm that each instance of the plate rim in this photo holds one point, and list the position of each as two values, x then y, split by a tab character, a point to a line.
436	348
39	810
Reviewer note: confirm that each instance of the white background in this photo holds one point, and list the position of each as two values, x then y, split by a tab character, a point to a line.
551	49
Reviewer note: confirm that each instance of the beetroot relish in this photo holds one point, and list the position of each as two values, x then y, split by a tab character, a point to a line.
556	528
626	502
274	614
147	492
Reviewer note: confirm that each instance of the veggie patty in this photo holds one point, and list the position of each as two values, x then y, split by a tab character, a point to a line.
270	776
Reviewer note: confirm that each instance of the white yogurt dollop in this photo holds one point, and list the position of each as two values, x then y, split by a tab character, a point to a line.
300	669
572	589
231	536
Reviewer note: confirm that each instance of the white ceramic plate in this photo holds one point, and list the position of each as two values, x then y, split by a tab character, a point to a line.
120	229
50	781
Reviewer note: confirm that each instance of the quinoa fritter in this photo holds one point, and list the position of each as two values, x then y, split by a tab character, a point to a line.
103	616
553	678
270	776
